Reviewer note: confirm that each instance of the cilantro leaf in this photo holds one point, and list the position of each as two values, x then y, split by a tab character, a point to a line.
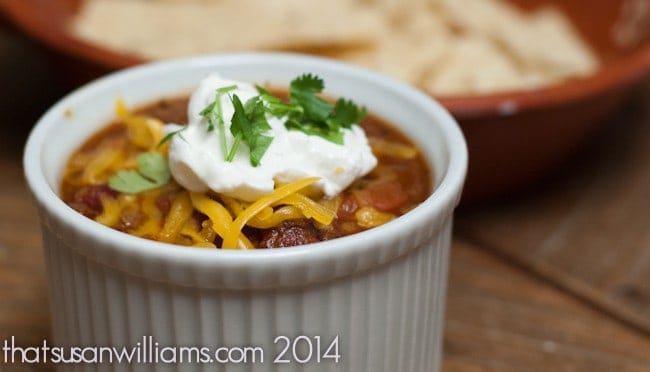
303	90
249	124
308	83
316	130
258	148
153	171
347	113
275	106
153	166
130	182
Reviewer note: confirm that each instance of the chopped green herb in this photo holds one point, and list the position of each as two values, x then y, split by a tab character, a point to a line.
153	171
213	113
306	111
210	113
249	124
315	130
171	135
303	90
347	113
275	105
227	89
311	114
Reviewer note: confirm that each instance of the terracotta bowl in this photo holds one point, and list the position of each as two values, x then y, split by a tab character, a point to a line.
514	138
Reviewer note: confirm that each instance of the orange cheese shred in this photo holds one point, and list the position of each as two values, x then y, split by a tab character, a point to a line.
286	212
220	217
310	208
151	227
180	211
144	132
280	193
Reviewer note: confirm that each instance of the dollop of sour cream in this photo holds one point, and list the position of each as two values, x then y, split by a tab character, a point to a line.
197	162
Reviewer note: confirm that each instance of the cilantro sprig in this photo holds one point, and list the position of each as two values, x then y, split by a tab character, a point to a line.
306	111
153	171
249	124
310	113
213	113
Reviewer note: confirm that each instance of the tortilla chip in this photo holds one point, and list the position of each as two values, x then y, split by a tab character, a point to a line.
541	42
557	49
476	65
406	51
160	29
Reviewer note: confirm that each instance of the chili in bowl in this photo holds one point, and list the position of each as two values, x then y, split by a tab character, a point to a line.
367	264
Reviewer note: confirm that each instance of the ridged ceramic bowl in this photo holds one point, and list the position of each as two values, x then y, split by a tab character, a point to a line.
380	291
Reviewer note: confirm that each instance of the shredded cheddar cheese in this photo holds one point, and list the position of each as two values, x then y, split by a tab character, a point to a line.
111	211
98	169
368	217
220	217
280	215
382	147
151	227
280	193
144	132
198	240
168	213
181	211
309	208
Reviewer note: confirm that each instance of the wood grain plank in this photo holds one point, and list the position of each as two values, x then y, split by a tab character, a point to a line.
28	89
499	318
588	230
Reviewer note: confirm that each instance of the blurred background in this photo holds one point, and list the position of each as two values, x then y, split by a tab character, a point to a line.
551	258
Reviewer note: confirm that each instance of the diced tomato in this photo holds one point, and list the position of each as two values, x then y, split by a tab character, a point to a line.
347	208
130	219
385	196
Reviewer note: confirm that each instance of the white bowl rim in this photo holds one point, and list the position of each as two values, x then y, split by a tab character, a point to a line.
437	206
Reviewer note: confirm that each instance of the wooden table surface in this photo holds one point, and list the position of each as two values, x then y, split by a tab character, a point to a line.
504	313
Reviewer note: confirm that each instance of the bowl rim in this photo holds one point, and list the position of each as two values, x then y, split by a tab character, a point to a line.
436	207
625	71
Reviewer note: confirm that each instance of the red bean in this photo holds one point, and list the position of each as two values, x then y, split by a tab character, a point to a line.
87	199
289	233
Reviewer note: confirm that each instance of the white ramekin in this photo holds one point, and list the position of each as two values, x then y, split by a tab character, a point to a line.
381	291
